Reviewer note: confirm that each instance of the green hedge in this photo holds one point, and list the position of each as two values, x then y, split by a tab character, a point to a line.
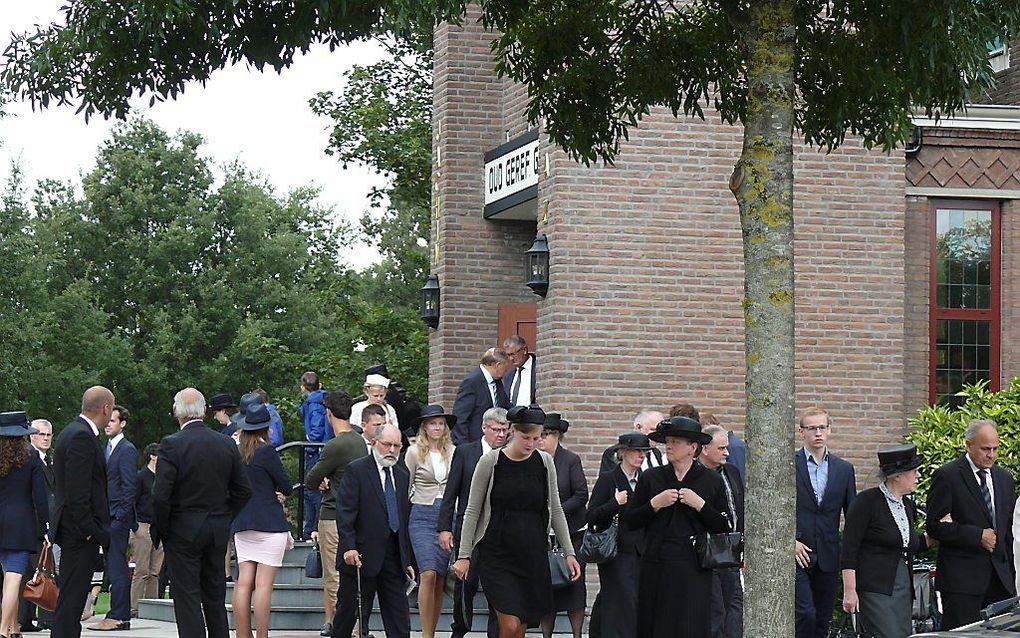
938	431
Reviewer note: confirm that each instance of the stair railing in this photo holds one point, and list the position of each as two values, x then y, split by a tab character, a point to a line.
302	447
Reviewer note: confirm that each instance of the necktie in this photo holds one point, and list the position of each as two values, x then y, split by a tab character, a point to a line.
516	388
633	483
391	502
983	476
729	498
501	400
109	450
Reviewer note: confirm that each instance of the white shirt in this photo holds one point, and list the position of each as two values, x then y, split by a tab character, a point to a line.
522	379
651	460
486	448
988	481
92	425
42	455
115	440
438	466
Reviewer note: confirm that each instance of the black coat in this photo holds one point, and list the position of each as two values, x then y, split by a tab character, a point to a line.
872	544
737	486
24	508
143	501
81	508
603	507
122	482
199	475
361	520
818	524
963	565
473	399
572	486
266	476
458	487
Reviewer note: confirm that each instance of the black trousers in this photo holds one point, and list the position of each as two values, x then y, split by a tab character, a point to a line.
390	585
963	609
464	592
814	598
199	584
727	609
78	559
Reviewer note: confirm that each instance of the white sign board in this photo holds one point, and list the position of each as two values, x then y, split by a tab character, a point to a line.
511	173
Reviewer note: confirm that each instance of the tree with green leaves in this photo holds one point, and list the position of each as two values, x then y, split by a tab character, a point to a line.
820	69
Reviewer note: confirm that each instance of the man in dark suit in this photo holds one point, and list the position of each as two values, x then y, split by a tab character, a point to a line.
81	516
727	594
374	548
122	488
644	422
481	390
520	381
200	486
826	486
41	444
970	514
455	499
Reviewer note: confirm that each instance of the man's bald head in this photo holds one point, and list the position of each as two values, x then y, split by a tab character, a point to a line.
189	404
97	404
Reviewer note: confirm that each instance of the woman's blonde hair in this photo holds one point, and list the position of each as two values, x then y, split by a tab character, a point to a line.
445	442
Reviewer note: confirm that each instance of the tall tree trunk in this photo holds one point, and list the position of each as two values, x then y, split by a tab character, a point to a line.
762	184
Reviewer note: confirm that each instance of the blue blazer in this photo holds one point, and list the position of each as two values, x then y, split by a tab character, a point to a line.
24	508
122	482
473	399
818	524
263	512
738	455
361	519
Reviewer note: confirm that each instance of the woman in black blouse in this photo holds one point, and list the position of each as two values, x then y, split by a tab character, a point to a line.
672	503
879	543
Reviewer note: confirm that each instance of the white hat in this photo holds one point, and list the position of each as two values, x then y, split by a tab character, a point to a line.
377	379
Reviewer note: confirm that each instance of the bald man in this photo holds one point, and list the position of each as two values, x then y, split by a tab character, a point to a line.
81	515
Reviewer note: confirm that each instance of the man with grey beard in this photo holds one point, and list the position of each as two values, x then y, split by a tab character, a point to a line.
372	514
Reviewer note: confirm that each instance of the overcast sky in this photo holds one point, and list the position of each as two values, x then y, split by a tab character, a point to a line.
263	119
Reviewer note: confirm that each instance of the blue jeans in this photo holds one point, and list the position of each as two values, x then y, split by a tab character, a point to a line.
313	498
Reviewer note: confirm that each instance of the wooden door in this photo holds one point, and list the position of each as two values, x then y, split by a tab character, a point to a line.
518	319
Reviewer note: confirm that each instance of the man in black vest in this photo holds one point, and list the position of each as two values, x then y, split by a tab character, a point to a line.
455	499
970	514
727	593
81	516
200	486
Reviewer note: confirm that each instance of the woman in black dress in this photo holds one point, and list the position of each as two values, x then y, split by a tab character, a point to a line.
610	498
573	489
513	502
672	503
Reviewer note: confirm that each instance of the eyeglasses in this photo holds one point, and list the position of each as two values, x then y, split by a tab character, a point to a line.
498	430
513	353
389	446
814	428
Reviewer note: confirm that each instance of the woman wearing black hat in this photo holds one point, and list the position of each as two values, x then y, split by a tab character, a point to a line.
879	543
610	499
24	511
573	489
672	503
261	531
513	503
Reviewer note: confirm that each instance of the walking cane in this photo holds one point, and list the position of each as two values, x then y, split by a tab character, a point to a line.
362	631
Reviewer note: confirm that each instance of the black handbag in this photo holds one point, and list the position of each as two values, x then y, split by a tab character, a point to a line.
719	551
313	563
850	627
600	547
559	571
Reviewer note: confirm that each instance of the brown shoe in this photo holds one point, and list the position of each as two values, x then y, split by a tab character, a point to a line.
109	624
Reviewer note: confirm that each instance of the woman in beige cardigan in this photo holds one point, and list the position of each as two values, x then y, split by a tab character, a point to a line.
429	464
513	503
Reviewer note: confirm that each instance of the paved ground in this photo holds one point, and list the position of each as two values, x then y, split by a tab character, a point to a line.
156	629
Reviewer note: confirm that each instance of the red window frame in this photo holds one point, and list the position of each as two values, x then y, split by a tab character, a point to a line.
991	314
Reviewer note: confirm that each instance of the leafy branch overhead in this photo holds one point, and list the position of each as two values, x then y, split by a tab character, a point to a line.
596	68
104	53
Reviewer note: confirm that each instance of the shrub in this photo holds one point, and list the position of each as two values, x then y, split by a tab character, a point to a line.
939	431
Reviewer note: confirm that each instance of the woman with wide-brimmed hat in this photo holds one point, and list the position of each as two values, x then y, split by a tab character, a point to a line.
610	499
429	465
24	511
513	504
673	503
879	544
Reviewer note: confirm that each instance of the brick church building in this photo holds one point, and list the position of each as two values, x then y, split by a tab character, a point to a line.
907	263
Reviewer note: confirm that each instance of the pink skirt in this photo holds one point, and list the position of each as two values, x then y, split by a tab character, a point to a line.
265	548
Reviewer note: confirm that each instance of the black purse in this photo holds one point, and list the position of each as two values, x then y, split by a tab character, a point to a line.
849	628
313	563
559	571
600	547
719	551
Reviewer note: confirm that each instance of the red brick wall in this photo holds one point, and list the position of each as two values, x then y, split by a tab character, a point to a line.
917	349
1007	83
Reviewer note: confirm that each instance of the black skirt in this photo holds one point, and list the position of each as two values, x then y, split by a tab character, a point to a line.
512	563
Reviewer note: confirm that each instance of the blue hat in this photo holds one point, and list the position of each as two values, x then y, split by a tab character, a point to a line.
257	418
247	401
15	424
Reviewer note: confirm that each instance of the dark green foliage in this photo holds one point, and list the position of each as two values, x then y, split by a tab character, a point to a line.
594	69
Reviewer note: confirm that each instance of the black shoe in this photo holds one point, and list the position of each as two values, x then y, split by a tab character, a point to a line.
28	629
327	630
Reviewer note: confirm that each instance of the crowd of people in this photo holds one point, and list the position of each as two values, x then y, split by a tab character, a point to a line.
399	496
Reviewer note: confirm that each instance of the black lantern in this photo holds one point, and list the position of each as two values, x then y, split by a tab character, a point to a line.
430	302
537	260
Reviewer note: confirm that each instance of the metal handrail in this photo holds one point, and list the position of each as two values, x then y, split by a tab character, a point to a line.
302	471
